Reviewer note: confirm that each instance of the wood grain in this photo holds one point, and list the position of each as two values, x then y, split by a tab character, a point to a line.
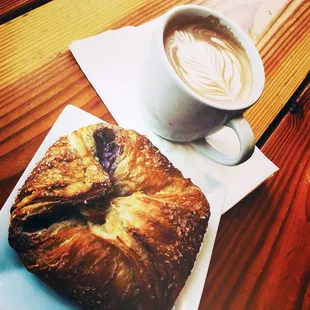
261	255
285	50
34	40
12	8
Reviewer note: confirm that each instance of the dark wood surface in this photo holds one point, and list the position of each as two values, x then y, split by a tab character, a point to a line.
261	258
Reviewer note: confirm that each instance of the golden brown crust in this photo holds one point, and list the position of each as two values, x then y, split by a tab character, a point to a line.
106	219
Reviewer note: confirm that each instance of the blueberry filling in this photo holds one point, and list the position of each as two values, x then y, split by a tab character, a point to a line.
107	149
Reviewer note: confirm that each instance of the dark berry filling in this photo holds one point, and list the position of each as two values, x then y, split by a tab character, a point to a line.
107	150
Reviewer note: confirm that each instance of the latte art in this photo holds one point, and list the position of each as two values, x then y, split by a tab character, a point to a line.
210	64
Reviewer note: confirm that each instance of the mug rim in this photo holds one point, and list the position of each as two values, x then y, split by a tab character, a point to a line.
242	37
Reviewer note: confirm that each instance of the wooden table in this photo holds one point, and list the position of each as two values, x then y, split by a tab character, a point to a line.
261	258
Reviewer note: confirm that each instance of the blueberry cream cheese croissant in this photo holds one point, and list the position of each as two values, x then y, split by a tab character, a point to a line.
106	219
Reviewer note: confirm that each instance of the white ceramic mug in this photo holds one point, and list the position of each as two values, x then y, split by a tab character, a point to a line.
175	112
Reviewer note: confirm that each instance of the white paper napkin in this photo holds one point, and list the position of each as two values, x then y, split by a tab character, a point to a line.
113	62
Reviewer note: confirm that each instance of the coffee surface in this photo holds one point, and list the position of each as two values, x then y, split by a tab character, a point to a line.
207	57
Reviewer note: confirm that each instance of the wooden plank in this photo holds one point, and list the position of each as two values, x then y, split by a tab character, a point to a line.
261	255
285	50
38	75
10	9
33	40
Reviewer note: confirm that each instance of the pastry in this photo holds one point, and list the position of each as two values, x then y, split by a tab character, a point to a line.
106	219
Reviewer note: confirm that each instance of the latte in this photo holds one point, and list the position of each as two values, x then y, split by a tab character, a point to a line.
209	59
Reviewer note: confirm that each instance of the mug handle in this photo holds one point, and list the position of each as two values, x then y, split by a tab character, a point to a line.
246	139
